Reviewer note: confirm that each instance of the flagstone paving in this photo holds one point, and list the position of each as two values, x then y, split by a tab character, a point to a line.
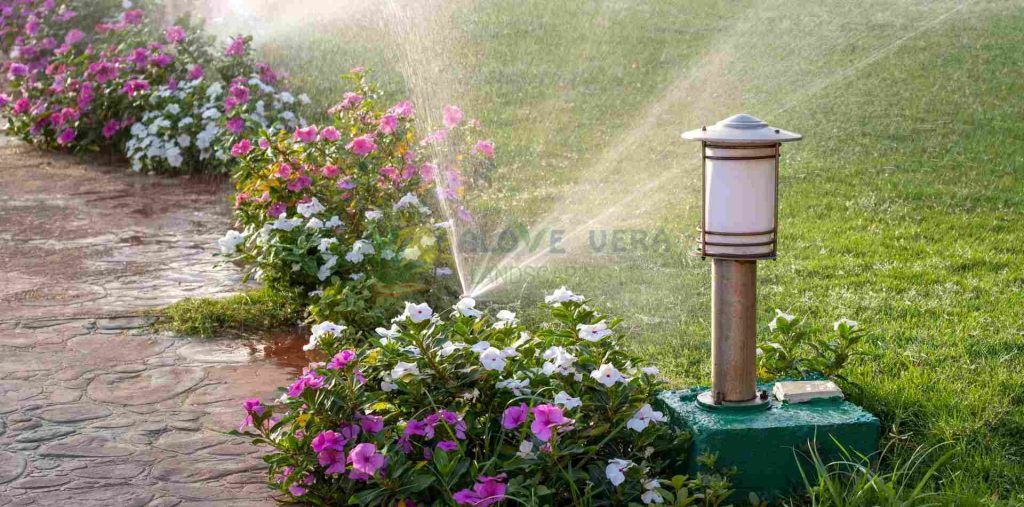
95	409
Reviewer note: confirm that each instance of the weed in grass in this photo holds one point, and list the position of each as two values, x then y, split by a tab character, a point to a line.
239	314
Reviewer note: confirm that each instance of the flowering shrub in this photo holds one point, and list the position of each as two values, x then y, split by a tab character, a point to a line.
793	350
126	85
473	410
343	212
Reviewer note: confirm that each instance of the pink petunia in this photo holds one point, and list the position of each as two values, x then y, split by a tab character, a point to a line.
365	458
487	491
372	423
341	359
362	145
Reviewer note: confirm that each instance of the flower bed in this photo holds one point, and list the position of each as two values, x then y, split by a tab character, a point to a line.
344	213
473	410
165	97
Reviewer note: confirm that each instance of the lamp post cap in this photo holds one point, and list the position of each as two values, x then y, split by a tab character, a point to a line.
741	129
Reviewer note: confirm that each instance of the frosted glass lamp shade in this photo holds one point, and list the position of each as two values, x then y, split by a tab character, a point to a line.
739	202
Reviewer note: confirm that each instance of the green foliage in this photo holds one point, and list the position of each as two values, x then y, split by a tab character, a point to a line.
248	312
795	350
857	481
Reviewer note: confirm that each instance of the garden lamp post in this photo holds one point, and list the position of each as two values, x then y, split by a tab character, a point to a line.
739	226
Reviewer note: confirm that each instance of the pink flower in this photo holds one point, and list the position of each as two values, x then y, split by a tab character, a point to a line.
434	137
236	125
252	407
66	137
17	70
239	92
111	128
346	184
21	106
403	109
388	123
174	34
284	172
309	380
514	416
372	423
132	17
484	147
134	86
327	440
103	71
300	183
452	116
236	47
447	445
73	37
427	171
306	135
241	148
263	143
365	458
330	134
350	100
546	417
195	72
275	210
341	359
487	491
362	145
162	60
389	172
330	171
422	428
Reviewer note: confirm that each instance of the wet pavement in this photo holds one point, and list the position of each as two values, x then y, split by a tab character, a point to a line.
94	408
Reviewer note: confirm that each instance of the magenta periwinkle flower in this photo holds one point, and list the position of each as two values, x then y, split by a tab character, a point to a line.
447	445
452	116
236	125
133	17
174	34
350	100
346	184
17	70
236	47
403	109
195	72
330	171
306	135
74	36
487	491
545	418
365	458
135	86
514	416
484	147
111	128
341	359
362	145
330	134
241	148
309	380
275	210
252	407
388	123
66	137
371	423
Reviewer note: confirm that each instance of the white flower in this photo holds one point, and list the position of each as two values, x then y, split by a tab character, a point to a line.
139	129
315	224
360	249
387	385
412	253
304	99
492	359
608	375
505	319
286	97
428	241
229	243
333	222
184	140
387	255
373	214
651	370
593	332
416	313
852	324
525	449
357	276
389	334
325	270
567	401
286	224
443	271
779	314
479	347
308	209
559	360
326	243
615	471
185	122
467	307
407	200
644	417
560	296
450	348
403	369
173	109
651	495
518	387
321	329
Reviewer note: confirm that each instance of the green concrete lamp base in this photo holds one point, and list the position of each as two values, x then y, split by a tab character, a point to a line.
763	445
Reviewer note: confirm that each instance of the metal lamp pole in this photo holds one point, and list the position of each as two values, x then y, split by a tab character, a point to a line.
739	226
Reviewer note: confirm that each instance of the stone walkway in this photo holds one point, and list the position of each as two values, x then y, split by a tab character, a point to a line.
95	409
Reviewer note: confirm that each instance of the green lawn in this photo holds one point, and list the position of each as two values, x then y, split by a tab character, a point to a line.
903	208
